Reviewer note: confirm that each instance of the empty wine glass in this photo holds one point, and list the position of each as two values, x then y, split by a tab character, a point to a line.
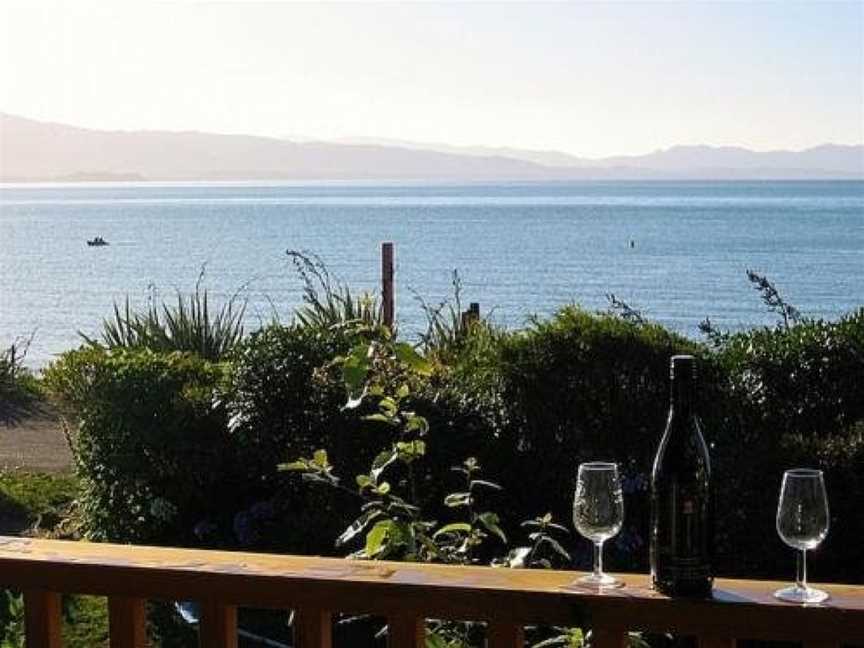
598	513
802	523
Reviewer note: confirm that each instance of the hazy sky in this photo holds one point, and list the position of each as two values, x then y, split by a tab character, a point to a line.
588	78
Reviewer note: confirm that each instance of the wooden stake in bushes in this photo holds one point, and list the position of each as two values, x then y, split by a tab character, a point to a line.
387	291
471	315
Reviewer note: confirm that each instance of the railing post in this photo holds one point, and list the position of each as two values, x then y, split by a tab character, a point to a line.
406	632
217	625
504	635
388	298
313	628
42	619
717	642
608	638
127	622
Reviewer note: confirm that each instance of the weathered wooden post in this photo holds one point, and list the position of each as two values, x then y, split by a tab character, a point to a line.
388	297
471	315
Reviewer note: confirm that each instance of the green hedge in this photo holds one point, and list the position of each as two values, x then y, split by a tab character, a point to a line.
582	387
173	449
150	441
794	399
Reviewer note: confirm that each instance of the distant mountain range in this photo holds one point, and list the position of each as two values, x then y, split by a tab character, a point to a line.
40	151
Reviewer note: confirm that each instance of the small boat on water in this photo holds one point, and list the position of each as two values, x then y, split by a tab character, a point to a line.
97	242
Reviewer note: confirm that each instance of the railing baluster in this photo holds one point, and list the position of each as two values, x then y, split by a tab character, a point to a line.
406	632
42	619
608	638
313	628
127	622
504	635
217	627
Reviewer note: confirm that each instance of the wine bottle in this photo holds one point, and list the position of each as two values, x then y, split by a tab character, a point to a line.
682	507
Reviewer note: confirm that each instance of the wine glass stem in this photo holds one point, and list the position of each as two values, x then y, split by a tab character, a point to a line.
598	559
801	579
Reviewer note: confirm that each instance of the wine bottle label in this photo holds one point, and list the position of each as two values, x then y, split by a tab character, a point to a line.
681	547
684	569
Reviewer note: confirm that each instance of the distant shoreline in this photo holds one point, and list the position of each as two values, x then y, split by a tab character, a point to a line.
36	151
136	180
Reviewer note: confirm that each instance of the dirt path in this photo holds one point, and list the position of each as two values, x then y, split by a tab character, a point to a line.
35	442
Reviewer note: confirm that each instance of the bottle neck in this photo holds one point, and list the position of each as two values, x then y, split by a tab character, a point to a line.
683	394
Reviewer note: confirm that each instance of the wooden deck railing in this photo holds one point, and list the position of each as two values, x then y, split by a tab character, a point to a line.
404	593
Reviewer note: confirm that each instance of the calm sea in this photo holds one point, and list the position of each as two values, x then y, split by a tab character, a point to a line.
520	248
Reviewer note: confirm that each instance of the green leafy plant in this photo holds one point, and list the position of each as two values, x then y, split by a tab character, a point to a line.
191	324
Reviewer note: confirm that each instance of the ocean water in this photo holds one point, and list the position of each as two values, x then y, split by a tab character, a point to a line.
520	248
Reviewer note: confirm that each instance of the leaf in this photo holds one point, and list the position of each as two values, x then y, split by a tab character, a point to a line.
455	500
561	640
516	557
406	354
490	521
299	465
383	488
635	640
484	483
402	533
403	392
552	542
410	450
356	527
354	374
416	423
388	406
364	481
455	527
434	640
354	402
319	457
381	462
380	418
376	537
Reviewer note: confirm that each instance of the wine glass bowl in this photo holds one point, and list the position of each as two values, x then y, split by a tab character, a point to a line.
598	514
802	523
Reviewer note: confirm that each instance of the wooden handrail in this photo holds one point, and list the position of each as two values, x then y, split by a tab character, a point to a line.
405	593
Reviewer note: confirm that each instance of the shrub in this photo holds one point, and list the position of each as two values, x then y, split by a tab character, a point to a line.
284	402
794	400
580	387
530	405
150	442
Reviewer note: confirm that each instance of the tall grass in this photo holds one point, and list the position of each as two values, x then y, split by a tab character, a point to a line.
191	324
327	301
448	330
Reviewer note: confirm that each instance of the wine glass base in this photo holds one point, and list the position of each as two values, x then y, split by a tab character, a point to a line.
601	581
795	594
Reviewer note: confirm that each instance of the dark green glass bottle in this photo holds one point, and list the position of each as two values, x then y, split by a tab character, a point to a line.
682	506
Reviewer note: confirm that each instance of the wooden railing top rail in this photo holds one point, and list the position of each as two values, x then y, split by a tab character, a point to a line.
739	608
